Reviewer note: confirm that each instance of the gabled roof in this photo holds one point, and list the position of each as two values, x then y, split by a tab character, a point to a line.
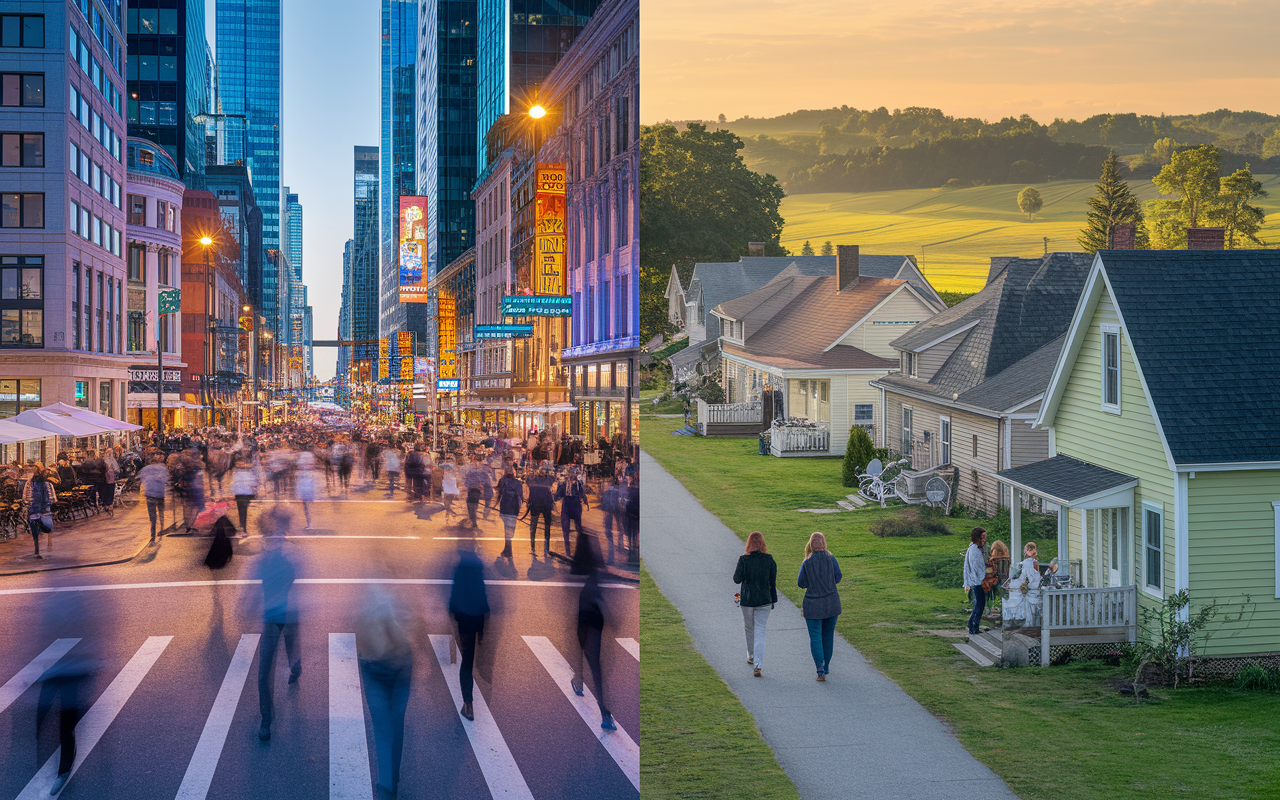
1204	328
1018	385
1066	480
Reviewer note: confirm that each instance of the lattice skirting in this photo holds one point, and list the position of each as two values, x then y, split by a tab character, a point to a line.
1206	667
1077	651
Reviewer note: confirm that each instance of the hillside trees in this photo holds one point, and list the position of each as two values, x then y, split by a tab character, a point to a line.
807	250
698	202
1112	204
1030	202
1201	197
1235	213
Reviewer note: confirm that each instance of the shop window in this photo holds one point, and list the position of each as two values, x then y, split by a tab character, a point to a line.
82	394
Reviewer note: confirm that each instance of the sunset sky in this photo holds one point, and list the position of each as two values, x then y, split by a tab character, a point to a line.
984	58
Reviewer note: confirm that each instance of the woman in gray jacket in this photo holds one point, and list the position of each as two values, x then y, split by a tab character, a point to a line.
819	574
758	574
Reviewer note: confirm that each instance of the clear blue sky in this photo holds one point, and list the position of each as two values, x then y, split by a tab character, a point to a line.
331	104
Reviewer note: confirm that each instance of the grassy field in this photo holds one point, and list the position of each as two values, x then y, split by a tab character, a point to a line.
1060	732
954	232
696	739
647	408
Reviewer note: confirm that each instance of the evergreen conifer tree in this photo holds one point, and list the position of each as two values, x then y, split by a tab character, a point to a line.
828	249
807	250
1112	205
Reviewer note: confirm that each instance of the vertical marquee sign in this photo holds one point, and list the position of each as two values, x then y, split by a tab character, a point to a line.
413	250
447	337
549	219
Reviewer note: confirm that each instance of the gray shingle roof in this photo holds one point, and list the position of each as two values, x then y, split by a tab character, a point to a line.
1205	326
1065	479
1018	384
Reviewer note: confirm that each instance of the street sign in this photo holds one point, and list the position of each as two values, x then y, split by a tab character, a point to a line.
170	301
504	331
533	306
448	384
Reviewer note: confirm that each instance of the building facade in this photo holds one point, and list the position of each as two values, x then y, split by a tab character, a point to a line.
62	219
363	286
490	361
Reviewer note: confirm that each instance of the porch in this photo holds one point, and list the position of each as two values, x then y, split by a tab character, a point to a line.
799	438
731	419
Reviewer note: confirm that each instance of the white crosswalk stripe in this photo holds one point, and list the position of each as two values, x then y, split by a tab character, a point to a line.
490	748
621	747
94	723
631	646
31	673
199	776
350	777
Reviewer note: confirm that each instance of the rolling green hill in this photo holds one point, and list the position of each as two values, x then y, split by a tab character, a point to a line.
954	232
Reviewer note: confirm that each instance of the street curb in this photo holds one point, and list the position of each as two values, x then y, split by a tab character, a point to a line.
80	566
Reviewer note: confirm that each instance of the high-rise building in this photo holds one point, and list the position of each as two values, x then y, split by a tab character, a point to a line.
237	203
520	42
168	79
344	313
363	287
292	247
249	63
62	220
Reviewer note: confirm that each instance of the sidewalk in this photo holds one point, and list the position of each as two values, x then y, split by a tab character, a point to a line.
858	734
95	541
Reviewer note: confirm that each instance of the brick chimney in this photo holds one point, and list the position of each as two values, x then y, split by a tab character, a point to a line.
846	266
1206	238
755	249
1121	236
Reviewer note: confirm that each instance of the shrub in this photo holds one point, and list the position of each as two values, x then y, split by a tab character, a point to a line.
941	571
857	454
910	523
711	393
1258	678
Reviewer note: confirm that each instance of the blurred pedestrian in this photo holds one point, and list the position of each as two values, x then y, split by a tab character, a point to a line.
220	551
39	495
414	469
154	478
477	477
66	681
758	574
448	488
541	503
819	574
305	485
386	664
510	498
244	485
611	502
277	574
390	460
469	605
591	618
572	494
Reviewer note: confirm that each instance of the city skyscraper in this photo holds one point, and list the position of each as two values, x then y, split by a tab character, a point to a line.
168	80
292	247
363	286
249	62
344	312
519	43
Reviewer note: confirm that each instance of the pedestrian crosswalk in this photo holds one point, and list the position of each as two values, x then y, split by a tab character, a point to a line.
504	763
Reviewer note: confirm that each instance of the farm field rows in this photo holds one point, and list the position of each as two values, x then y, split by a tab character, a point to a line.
954	232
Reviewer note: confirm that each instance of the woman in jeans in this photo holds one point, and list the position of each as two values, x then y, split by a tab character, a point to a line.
758	574
39	496
819	574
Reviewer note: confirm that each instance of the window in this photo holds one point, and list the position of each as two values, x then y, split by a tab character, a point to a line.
98	311
22	210
809	399
88	308
1153	548
104	398
22	30
975	445
906	431
82	394
1111	368
161	207
22	149
22	89
137	263
137	331
909	364
18	395
1275	510
162	260
75	305
944	439
21	301
864	413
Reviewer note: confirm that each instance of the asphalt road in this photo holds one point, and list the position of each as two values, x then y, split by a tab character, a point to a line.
173	700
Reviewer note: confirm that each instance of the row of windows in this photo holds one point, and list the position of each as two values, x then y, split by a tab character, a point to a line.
166	217
94	123
163	21
97	75
94	229
22	89
22	30
21	301
22	149
98	23
149	112
94	176
103	321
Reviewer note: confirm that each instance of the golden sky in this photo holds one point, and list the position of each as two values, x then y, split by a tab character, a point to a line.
984	58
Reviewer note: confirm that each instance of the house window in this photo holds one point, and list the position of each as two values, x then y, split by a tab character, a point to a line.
18	395
909	364
21	301
975	445
1111	368
906	431
22	30
944	438
22	150
22	89
1153	548
22	210
809	399
864	414
137	263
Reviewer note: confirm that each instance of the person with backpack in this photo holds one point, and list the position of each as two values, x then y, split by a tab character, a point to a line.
39	496
510	498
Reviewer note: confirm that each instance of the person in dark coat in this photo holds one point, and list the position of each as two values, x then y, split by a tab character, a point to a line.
220	551
277	574
758	574
819	574
468	605
510	499
591	619
541	504
572	494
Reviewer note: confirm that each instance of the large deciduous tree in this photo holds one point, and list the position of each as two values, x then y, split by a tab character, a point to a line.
1113	204
1201	197
1030	202
698	202
1234	210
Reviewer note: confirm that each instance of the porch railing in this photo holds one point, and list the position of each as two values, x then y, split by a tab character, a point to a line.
800	439
1097	614
732	413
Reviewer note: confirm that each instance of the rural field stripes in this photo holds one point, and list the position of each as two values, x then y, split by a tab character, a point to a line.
199	776
631	646
31	673
95	723
491	751
349	775
621	747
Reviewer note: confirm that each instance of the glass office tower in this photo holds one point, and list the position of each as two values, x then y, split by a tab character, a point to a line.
399	156
363	289
520	42
168	80
249	62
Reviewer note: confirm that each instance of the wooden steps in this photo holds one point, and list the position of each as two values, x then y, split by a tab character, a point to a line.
984	649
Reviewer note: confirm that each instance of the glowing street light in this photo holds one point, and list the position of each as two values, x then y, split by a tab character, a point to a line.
537	112
206	241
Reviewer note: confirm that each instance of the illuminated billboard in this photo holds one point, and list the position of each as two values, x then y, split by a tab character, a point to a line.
549	242
533	306
447	339
413	249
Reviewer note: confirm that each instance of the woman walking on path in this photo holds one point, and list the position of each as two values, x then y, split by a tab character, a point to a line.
819	574
39	496
758	574
975	569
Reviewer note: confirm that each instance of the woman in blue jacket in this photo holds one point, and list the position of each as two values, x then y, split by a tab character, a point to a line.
819	574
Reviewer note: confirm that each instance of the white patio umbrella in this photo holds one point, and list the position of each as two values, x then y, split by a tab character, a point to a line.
92	417
55	422
13	432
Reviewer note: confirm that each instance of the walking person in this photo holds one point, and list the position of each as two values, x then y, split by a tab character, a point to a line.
94	472
477	476
386	665
244	485
610	501
468	605
414	468
591	617
390	460
758	574
819	574
572	494
541	504
111	472
154	478
305	486
39	497
277	574
448	488
372	461
510	498
975	569
66	681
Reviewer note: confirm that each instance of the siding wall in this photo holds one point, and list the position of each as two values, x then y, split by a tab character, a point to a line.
846	392
981	492
1128	442
1026	444
1231	554
890	321
930	361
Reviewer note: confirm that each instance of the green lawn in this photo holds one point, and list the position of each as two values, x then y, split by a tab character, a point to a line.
696	739
1063	731
647	408
954	232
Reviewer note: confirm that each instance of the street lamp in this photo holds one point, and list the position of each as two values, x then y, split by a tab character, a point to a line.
537	112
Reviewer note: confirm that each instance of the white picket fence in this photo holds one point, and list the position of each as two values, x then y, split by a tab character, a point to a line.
732	413
799	439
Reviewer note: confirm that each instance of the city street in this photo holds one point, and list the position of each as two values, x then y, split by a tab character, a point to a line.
171	709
